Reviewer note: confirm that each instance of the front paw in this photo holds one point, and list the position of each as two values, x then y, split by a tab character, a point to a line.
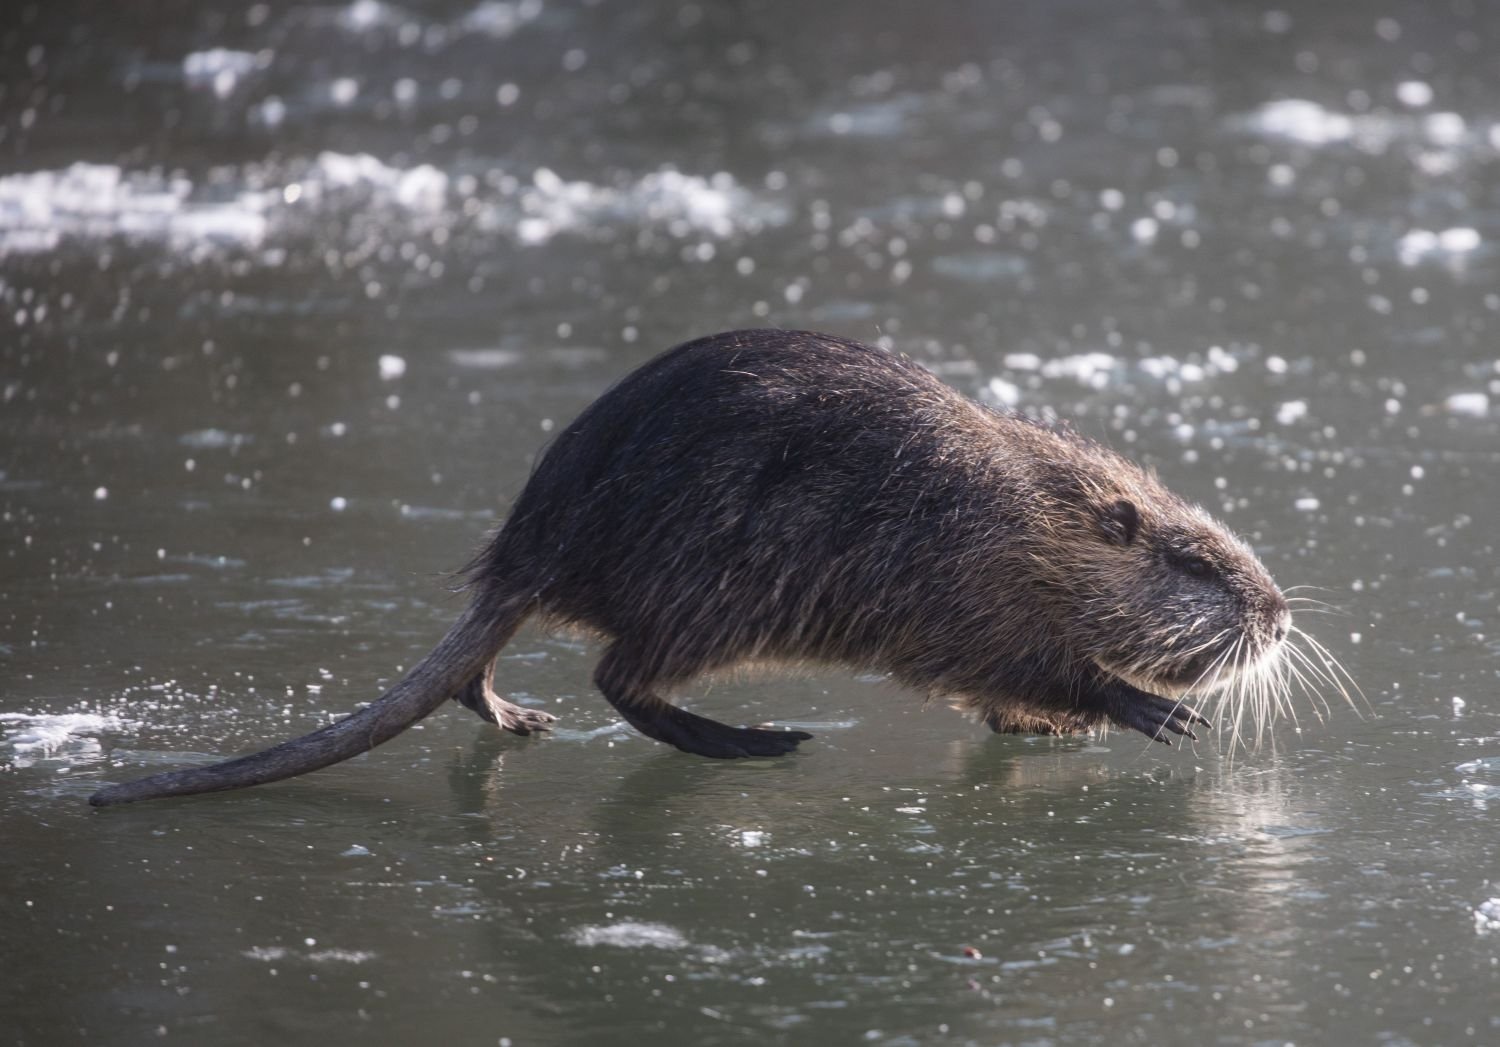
1155	716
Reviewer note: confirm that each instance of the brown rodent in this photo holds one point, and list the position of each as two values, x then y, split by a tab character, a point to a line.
787	496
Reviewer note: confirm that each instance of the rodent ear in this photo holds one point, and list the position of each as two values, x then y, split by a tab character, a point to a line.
1121	521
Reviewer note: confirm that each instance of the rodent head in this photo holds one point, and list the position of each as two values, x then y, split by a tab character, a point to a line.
1158	593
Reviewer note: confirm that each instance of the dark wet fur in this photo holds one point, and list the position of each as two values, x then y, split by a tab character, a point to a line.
785	496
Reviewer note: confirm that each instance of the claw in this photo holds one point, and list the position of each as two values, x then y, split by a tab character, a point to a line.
1155	716
1192	716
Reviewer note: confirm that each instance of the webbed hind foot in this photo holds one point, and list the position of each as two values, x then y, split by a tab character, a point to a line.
704	737
479	695
517	719
630	690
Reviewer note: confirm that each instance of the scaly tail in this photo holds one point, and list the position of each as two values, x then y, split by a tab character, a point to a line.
473	641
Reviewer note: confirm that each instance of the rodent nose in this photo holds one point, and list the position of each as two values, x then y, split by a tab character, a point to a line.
1280	613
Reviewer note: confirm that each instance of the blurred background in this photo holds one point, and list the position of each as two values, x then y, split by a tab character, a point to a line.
292	295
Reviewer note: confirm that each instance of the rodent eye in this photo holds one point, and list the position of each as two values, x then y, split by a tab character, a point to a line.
1196	566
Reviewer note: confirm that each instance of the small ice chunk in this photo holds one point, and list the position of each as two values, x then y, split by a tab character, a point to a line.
1473	405
630	934
1459	239
1144	230
219	69
1445	128
1414	93
366	14
1306	504
1222	359
48	734
501	18
338	503
1291	411
1419	243
423	188
1303	121
1092	369
340	956
266	953
1487	916
1003	392
392	367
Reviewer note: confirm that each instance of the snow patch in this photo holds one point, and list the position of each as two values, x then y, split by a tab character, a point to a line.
1421	244
29	737
245	208
1302	121
684	204
1470	405
221	70
39	208
630	934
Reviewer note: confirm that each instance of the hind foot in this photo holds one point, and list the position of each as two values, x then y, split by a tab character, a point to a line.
1012	722
517	719
704	737
479	695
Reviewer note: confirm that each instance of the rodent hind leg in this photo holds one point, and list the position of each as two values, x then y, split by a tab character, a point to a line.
621	678
479	695
1011	721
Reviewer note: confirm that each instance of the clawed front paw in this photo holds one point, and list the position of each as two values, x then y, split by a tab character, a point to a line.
1154	716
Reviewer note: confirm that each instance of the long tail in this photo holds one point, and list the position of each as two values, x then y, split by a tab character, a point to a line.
473	641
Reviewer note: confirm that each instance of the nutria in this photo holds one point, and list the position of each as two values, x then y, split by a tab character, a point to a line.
793	497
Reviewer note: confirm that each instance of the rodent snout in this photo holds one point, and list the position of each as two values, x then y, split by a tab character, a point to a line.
1283	622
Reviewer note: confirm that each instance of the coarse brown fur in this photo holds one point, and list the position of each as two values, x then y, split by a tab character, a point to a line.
793	497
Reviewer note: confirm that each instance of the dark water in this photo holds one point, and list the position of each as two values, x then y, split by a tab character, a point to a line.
292	296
